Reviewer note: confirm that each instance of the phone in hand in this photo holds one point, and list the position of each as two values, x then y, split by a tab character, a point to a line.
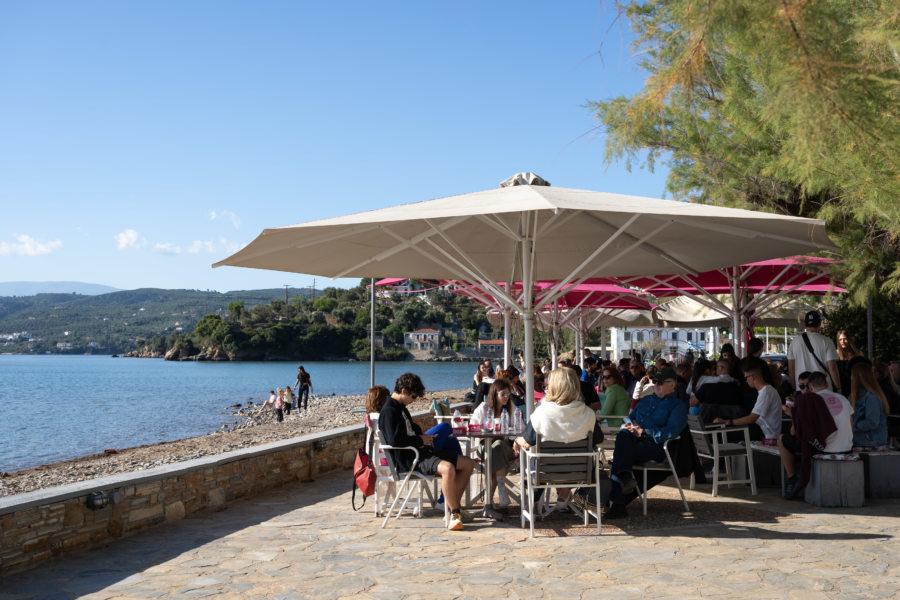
627	421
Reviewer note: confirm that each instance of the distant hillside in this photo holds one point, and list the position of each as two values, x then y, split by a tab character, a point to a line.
30	288
113	322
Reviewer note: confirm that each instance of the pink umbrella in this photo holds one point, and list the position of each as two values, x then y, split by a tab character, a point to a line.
755	288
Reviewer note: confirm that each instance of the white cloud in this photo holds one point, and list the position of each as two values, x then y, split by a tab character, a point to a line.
28	246
196	247
167	248
129	238
226	214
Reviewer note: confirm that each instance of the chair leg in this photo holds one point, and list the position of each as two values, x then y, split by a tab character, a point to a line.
644	492
677	482
750	468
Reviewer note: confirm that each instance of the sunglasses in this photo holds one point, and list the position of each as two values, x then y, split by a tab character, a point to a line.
604	377
802	386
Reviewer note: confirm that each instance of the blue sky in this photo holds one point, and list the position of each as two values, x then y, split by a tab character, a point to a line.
141	142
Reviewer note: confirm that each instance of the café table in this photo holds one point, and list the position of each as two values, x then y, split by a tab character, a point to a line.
489	437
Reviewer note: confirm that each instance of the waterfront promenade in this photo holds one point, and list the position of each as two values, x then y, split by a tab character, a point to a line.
304	541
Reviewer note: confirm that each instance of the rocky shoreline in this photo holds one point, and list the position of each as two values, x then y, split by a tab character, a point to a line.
325	412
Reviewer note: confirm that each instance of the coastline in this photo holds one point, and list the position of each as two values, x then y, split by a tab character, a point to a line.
325	412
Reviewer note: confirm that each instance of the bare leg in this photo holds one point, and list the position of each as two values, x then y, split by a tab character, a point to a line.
787	458
464	468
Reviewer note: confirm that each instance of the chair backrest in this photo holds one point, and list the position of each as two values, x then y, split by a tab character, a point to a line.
701	440
441	407
563	469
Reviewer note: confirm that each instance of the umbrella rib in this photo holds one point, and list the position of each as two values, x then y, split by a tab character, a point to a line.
403	245
636	242
554	291
471	270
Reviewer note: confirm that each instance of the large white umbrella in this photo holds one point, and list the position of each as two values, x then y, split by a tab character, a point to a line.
525	233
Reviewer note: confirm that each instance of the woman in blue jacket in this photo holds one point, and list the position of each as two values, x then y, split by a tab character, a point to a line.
870	407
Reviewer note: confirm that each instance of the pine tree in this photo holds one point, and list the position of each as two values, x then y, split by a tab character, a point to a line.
789	107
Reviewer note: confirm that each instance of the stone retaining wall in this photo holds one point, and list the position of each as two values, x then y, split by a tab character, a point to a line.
42	525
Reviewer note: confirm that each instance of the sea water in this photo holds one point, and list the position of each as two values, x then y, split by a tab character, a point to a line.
59	407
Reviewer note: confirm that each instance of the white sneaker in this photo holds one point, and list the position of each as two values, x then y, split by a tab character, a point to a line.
455	523
504	495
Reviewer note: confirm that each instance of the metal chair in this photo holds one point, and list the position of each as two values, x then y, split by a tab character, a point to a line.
558	465
712	443
407	485
668	465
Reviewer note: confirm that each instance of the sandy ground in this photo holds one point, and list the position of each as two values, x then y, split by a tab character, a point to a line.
324	413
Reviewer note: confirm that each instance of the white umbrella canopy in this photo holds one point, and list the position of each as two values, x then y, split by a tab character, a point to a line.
527	233
576	233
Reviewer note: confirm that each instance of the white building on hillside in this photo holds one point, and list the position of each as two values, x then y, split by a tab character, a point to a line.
422	339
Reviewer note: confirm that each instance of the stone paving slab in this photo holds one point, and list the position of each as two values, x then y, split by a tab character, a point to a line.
304	541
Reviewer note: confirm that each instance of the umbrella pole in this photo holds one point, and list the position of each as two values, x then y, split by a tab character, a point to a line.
507	350
372	339
528	316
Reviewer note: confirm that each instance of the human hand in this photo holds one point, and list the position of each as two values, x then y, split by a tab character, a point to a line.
719	420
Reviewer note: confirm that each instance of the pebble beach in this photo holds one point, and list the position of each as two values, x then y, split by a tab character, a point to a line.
325	412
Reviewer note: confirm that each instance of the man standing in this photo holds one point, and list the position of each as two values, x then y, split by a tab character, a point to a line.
398	429
658	418
812	351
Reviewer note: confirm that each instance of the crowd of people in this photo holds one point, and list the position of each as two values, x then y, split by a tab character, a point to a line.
826	398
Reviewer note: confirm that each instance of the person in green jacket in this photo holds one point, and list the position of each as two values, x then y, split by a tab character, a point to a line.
615	400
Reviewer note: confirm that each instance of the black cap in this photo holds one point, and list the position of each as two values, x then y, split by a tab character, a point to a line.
667	374
812	319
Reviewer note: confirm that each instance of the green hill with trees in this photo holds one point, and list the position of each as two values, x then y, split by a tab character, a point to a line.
242	325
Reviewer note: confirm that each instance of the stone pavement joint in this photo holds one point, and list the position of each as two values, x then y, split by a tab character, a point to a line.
304	541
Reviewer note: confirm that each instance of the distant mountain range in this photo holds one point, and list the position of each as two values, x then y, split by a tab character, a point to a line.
30	288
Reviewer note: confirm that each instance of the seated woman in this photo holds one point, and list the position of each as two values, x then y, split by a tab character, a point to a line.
498	398
615	400
517	390
870	407
561	417
485	371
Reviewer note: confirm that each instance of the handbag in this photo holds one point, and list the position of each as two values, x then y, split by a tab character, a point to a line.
364	477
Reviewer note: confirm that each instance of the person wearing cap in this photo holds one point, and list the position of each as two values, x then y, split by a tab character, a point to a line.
811	351
656	419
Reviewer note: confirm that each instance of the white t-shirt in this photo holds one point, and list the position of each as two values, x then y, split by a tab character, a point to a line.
804	361
768	407
842	413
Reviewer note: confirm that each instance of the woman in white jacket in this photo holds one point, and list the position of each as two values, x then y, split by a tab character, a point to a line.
561	417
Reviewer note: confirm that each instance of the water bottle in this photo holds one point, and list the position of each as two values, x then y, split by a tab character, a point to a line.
520	424
504	422
488	424
457	422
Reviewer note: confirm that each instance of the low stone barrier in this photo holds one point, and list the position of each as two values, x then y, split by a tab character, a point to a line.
46	524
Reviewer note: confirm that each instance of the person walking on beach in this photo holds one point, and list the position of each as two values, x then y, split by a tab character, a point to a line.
304	381
276	401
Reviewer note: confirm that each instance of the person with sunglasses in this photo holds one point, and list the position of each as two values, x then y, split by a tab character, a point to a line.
656	419
615	398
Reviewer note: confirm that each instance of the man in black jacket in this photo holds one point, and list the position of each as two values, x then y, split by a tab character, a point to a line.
398	429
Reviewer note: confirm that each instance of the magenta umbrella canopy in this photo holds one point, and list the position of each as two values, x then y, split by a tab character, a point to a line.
755	288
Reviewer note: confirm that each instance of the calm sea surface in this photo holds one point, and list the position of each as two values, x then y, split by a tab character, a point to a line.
60	407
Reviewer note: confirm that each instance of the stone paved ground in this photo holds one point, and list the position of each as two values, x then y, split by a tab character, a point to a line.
303	541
